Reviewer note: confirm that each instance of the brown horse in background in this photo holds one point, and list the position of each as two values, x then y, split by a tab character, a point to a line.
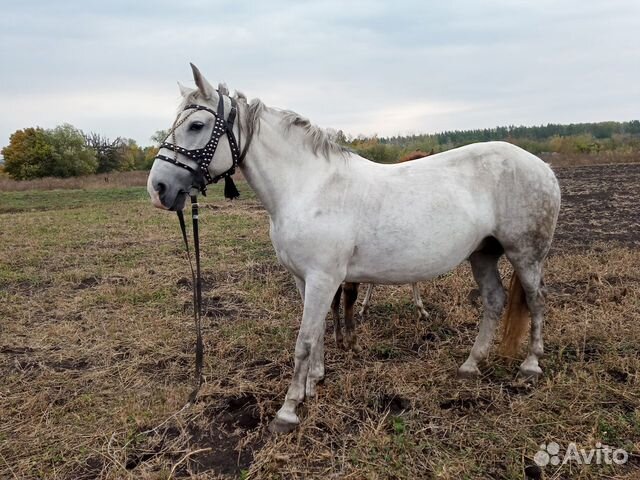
415	155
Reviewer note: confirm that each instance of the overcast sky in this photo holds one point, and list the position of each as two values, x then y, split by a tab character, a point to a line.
365	67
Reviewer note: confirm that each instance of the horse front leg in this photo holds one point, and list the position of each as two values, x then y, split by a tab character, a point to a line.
309	352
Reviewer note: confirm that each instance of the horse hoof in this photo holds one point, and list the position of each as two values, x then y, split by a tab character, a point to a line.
530	373
355	347
468	373
278	425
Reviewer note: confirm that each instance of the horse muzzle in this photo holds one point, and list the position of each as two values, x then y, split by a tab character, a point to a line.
166	196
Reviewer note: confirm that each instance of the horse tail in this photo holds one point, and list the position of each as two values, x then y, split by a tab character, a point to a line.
516	318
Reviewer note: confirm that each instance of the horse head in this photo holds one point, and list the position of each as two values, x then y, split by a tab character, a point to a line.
189	157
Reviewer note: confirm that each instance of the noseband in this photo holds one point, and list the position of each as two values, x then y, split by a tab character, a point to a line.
204	156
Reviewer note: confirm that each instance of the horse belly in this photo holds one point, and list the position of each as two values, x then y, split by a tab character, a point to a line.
398	258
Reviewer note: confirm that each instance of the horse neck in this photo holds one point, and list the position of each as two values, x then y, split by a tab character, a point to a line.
280	163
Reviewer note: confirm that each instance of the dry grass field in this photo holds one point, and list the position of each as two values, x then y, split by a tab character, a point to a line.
96	351
98	180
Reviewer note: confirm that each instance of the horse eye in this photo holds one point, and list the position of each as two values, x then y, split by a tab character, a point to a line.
196	126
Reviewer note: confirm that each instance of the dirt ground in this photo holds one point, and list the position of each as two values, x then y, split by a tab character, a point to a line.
599	204
96	351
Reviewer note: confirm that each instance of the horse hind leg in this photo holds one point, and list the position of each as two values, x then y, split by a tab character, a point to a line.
367	300
527	251
417	300
484	265
335	311
527	255
350	297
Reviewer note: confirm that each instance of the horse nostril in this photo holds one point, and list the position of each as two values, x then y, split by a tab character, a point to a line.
161	188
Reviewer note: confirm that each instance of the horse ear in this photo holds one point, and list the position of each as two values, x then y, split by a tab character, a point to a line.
184	91
203	85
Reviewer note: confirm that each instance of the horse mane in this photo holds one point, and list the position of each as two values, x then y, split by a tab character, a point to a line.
254	110
322	141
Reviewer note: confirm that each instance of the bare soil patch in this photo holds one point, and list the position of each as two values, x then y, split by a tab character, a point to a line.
600	204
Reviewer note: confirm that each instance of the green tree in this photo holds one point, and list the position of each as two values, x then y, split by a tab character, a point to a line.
341	138
159	136
35	152
72	156
149	156
376	150
29	154
132	157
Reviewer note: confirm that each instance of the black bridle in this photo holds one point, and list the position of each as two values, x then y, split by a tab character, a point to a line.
201	179
204	156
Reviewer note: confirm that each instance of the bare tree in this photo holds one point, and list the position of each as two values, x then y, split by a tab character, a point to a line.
108	152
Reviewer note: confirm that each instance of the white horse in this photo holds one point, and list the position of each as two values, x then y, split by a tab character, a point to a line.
334	218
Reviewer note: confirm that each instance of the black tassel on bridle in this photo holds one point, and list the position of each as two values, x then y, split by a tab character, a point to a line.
230	190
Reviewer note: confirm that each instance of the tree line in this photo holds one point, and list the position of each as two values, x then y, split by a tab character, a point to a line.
575	138
65	151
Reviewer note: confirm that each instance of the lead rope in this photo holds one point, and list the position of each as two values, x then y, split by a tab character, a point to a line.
231	192
197	291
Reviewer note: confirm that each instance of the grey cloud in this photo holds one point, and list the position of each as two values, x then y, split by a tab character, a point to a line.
456	64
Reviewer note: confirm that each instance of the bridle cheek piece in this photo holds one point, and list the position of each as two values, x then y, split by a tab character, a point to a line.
204	156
